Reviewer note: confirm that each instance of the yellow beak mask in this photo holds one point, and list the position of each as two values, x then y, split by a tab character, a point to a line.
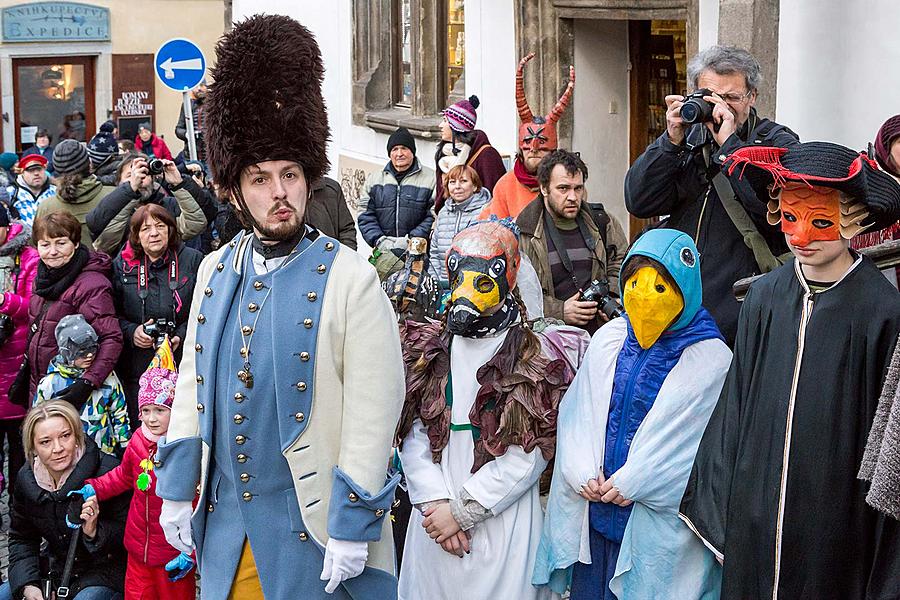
652	305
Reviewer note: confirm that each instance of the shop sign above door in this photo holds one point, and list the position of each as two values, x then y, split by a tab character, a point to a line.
55	22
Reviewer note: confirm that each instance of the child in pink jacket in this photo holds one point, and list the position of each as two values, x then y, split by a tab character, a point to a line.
155	569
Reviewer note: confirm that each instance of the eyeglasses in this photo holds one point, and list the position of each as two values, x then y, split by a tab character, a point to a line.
735	98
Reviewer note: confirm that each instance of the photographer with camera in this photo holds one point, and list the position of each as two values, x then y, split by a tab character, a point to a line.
144	181
82	534
679	175
153	285
572	244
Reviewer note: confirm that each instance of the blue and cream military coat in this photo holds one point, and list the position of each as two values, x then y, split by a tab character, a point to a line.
300	454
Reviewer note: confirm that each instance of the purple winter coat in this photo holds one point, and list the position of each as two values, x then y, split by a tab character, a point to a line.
90	295
15	304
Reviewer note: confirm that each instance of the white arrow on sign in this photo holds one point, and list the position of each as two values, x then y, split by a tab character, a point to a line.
191	64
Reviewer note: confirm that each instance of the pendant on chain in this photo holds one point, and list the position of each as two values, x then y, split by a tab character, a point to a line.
245	376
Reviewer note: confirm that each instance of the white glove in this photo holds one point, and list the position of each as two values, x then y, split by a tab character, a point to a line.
175	520
343	560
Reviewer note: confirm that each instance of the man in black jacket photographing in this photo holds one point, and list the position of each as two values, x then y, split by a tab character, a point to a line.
678	176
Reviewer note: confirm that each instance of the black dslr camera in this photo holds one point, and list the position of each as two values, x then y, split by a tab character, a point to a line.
159	329
695	109
598	291
156	166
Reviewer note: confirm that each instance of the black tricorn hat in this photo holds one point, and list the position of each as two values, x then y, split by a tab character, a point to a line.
266	102
822	164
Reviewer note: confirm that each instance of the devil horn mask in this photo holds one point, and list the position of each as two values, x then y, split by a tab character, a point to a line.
539	132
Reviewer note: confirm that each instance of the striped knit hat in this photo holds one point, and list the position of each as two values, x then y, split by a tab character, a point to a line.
70	156
462	116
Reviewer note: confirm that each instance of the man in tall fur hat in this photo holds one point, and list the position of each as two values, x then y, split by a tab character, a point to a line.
285	410
774	490
537	138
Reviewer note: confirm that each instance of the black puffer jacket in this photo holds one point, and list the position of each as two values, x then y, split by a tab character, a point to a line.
159	303
37	513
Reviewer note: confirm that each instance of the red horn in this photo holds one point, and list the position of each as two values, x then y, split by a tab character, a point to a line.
525	114
563	101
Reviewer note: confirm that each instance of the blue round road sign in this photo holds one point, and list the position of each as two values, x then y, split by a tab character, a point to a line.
180	64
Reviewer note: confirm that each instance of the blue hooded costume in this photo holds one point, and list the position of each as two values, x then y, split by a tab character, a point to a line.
641	412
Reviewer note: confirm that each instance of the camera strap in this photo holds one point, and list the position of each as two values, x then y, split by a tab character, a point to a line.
63	590
143	284
556	238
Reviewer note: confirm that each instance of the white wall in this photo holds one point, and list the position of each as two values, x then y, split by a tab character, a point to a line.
708	26
837	75
490	72
601	71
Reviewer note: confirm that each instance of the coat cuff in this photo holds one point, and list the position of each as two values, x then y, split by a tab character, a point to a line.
353	513
177	468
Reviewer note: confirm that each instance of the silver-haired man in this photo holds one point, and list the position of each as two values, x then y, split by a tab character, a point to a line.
679	175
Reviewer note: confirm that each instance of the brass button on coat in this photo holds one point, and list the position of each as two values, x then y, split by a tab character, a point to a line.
353	497
245	477
201	319
329	246
242	458
208	292
200	407
257	285
246	330
239	440
312	296
308	323
210	508
238	419
253	307
247	496
199	378
198	348
157	463
299	417
303	536
239	397
321	268
244	352
301	385
304	356
379	513
219	267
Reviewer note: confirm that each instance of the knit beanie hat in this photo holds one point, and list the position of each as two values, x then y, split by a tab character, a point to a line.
70	156
401	137
102	146
108	126
75	338
889	132
462	115
157	386
8	159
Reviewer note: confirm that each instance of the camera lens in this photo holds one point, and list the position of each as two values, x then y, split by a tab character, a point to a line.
156	166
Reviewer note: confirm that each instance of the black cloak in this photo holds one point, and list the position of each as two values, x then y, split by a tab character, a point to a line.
808	527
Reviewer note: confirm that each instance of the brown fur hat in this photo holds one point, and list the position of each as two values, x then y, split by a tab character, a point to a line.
266	100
